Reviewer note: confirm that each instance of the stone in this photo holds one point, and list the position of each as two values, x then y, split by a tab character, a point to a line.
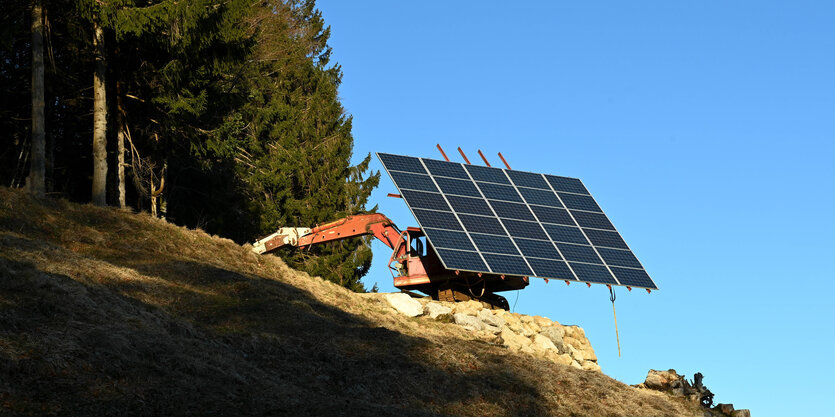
526	319
741	413
434	309
589	354
576	353
467	322
490	319
405	304
565	359
725	408
662	380
513	340
542	321
590	366
470	308
543	343
576	365
555	333
532	327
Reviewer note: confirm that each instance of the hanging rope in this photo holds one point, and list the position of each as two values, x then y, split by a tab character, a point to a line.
612	298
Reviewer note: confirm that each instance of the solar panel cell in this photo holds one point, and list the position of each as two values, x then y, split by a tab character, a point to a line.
402	163
512	210
448	239
481	224
445	169
480	173
633	277
494	244
413	181
508	265
547	268
553	215
537	248
463	260
518	228
605	238
594	220
541	197
469	205
617	257
565	234
527	179
579	253
437	219
457	187
571	185
579	202
426	200
592	273
499	192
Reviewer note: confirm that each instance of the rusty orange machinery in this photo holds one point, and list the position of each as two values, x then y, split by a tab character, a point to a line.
413	263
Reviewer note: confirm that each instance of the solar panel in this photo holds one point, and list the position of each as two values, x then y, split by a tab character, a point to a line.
499	221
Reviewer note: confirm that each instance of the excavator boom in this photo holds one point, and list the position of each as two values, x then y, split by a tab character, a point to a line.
375	224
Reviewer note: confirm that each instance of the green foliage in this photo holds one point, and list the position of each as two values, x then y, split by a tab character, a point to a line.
233	102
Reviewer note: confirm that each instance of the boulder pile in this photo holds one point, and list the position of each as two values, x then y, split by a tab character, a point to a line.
533	335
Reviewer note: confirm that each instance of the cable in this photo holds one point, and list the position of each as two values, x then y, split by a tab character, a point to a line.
612	297
514	301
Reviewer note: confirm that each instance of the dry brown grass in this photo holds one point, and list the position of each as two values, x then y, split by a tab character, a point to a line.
104	312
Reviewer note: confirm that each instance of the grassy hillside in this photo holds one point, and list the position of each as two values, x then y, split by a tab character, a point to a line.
104	312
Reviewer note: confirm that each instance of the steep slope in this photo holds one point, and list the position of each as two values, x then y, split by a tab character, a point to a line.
104	312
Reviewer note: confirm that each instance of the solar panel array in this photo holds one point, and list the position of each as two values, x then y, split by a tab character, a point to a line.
500	221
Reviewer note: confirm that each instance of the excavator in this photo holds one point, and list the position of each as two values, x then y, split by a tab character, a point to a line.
413	264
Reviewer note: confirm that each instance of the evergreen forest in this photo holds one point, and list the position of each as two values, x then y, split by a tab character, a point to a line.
222	115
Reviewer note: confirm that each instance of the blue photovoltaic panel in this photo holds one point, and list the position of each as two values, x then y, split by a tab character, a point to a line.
481	224
537	248
449	239
464	260
486	174
527	179
553	215
540	197
494	244
457	187
579	202
499	221
508	210
405	180
508	265
519	228
446	169
402	163
469	205
499	192
569	185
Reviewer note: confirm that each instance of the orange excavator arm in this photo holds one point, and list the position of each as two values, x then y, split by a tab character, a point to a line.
375	224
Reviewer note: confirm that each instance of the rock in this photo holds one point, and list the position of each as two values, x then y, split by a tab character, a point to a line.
470	308
589	354
526	319
741	413
543	343
555	333
725	408
468	322
662	380
435	309
576	353
532	327
576	365
405	304
513	340
565	359
542	321
490	319
590	366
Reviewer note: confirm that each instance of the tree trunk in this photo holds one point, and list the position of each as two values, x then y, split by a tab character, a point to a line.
37	181
120	145
99	122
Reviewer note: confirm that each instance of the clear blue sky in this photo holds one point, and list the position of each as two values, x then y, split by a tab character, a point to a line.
705	131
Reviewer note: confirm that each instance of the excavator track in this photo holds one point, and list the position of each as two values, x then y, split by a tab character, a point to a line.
488	300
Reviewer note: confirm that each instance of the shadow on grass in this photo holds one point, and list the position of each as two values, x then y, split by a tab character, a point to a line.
241	345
